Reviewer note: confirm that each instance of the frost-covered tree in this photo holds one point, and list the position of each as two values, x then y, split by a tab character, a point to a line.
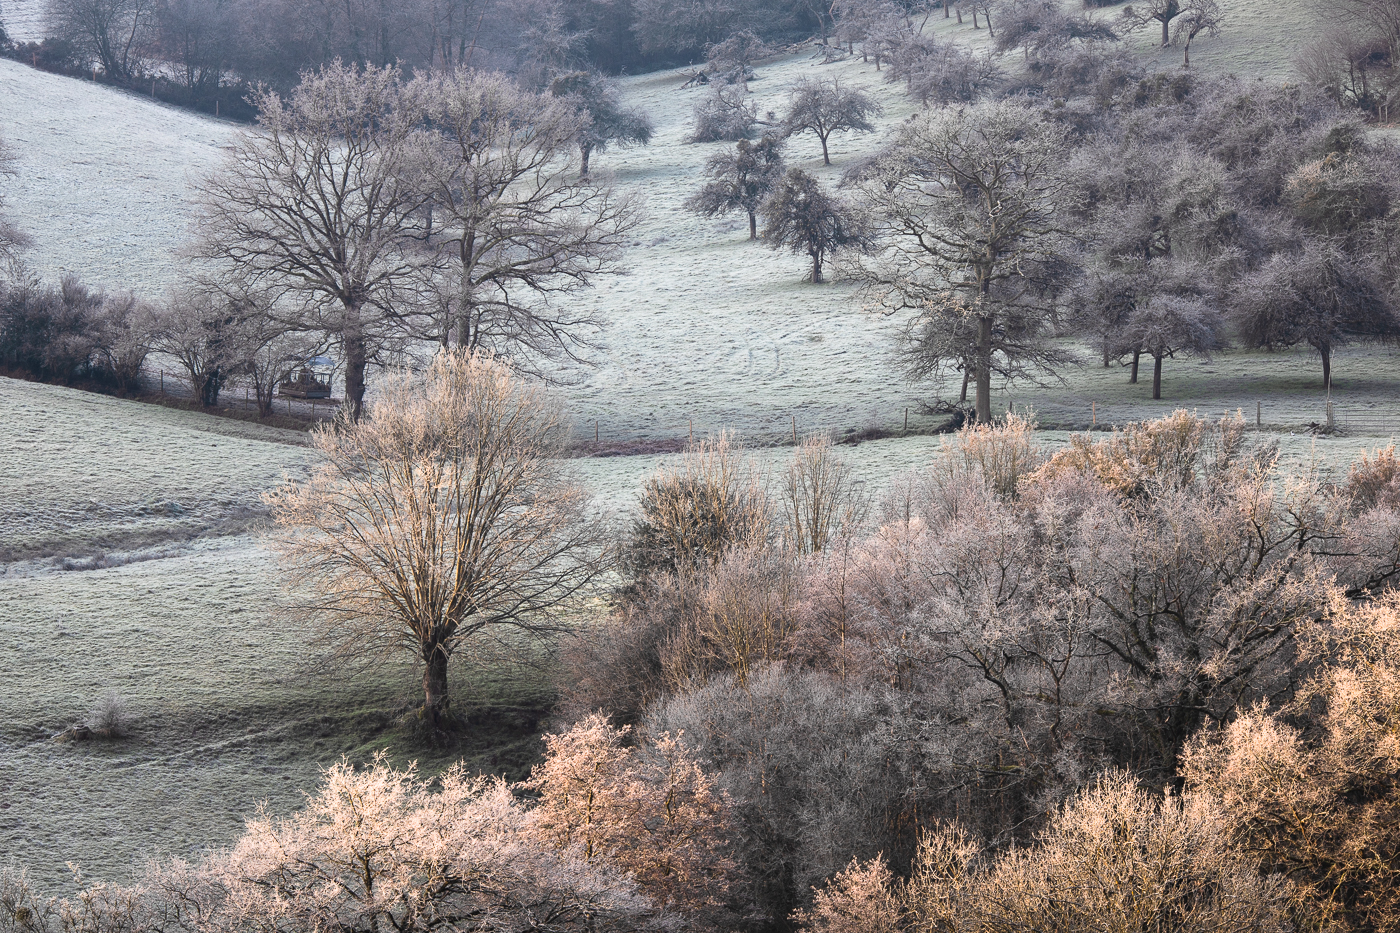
968	204
12	239
607	122
318	207
439	521
515	230
725	113
802	217
1317	295
651	810
824	107
742	180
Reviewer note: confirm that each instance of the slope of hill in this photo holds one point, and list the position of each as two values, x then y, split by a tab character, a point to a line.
104	184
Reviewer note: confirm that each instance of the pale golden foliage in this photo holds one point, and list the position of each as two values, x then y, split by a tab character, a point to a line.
819	496
651	811
861	899
1115	859
1001	452
1321	805
1375	481
1168	454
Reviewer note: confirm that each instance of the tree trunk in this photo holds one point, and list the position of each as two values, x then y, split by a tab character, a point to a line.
435	699
967	377
1166	36
585	152
753	226
947	8
984	370
355	363
974	19
1157	376
825	158
1325	349
816	268
1132	373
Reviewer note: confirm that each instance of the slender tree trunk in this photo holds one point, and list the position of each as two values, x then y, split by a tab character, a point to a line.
1132	373
1186	54
435	698
753	226
967	377
947	8
825	158
1166	36
585	152
984	370
816	268
1325	349
1157	375
974	19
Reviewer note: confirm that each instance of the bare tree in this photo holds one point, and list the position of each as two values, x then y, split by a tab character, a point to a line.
515	228
743	179
804	218
202	332
440	519
607	121
969	202
1159	11
1319	296
824	107
1199	16
316	206
112	32
819	497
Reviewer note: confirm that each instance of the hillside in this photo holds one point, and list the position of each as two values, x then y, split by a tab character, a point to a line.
132	556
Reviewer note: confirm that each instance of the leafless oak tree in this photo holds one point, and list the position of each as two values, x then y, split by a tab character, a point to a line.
440	518
514	226
317	206
968	203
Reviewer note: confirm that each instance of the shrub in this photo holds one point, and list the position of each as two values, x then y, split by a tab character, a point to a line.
695	510
110	719
1116	859
1152	457
1310	789
650	811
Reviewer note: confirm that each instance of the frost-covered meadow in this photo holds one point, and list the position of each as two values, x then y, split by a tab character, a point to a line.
128	531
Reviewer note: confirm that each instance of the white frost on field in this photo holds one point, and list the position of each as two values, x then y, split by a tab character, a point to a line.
83	473
105	176
23	19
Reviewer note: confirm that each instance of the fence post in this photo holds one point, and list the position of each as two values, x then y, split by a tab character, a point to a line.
906	420
1258	413
162	382
595	430
1093	415
692	431
794	430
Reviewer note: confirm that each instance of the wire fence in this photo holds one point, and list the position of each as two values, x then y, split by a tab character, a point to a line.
241	397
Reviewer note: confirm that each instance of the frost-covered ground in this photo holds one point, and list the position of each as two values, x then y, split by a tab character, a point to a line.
23	19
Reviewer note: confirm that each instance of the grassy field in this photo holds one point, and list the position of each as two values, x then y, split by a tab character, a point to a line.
129	550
